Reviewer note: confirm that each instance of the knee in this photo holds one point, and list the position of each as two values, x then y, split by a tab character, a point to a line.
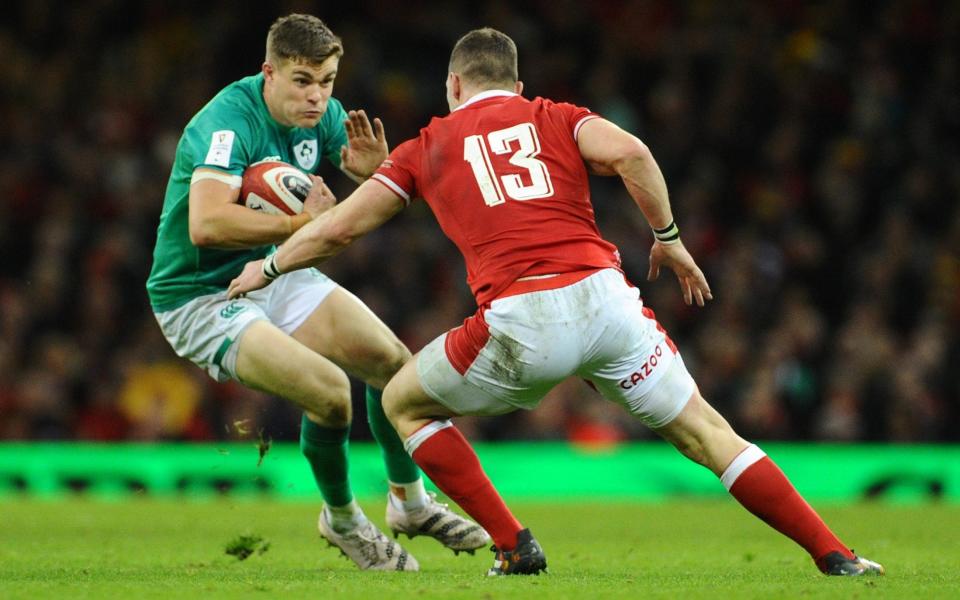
391	404
331	403
388	361
692	447
701	434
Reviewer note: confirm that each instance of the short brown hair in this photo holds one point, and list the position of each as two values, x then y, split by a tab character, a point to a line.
485	56
301	38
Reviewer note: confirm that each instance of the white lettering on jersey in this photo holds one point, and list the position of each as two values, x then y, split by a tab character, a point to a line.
221	145
525	134
306	153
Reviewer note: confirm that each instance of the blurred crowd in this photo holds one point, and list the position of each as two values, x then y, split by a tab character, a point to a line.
812	154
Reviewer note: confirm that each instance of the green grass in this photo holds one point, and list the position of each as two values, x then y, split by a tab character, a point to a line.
163	549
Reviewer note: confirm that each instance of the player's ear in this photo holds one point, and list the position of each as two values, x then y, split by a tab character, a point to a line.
453	86
518	87
267	69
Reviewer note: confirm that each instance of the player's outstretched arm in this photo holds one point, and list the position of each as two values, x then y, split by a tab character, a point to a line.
609	150
366	146
371	205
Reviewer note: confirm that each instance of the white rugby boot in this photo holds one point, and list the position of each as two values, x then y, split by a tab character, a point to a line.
435	519
368	547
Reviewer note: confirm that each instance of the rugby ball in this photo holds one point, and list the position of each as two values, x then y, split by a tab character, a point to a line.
274	187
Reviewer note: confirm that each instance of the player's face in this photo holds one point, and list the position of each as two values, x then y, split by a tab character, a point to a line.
297	93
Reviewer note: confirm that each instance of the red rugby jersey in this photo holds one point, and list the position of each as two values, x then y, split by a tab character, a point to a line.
505	180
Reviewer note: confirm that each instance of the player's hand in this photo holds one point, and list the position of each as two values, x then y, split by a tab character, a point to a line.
250	279
366	146
319	199
693	284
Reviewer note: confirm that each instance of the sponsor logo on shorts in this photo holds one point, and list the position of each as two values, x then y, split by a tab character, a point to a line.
645	370
231	310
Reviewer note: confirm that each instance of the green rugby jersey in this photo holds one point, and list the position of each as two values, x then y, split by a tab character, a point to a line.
233	131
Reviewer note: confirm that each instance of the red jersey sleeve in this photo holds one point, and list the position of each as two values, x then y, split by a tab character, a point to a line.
400	170
575	116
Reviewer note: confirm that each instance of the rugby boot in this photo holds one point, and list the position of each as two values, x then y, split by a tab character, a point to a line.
836	563
368	547
526	559
435	519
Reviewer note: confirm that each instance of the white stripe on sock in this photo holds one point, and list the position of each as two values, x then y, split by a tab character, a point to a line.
420	436
750	455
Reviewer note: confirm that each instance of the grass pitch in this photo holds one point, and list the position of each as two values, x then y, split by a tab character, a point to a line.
176	549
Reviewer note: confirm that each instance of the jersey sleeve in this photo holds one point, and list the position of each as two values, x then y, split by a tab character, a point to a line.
334	133
401	170
575	116
220	141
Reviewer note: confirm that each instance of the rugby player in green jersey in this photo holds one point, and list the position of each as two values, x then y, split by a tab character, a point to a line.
297	339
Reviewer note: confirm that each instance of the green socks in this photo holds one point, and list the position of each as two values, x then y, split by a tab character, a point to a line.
326	451
400	467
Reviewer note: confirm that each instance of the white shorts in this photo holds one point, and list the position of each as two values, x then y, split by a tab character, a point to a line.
206	329
510	355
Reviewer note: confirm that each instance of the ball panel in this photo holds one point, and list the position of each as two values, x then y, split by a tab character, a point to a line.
274	187
257	202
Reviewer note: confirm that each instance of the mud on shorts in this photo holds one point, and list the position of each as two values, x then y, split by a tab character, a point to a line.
207	329
511	354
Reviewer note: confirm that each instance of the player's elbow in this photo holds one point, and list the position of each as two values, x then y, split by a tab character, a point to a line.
200	237
204	233
631	154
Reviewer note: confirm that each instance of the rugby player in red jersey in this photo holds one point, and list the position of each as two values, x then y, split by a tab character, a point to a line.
506	178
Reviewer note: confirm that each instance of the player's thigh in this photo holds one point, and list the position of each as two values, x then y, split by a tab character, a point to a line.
634	363
343	329
206	329
462	392
407	404
272	361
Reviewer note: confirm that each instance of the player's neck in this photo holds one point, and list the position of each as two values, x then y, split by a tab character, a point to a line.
274	113
473	94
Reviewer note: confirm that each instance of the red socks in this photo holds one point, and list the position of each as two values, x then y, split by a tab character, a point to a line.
762	488
752	478
447	458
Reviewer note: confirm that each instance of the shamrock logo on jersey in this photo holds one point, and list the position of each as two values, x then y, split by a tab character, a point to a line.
306	153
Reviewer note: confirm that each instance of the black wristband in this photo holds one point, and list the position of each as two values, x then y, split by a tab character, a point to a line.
270	270
668	235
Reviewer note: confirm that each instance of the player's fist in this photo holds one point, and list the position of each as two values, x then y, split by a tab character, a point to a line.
319	199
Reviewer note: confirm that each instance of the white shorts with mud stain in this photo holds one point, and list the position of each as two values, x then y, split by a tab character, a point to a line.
510	355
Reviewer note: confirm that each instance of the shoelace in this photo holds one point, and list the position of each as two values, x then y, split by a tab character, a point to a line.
432	499
368	533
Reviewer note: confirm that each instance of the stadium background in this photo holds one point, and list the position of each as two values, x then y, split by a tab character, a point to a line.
811	153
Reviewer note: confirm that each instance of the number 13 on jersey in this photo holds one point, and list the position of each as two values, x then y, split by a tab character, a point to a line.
496	188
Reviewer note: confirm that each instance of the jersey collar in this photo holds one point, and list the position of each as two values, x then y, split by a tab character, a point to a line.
484	96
